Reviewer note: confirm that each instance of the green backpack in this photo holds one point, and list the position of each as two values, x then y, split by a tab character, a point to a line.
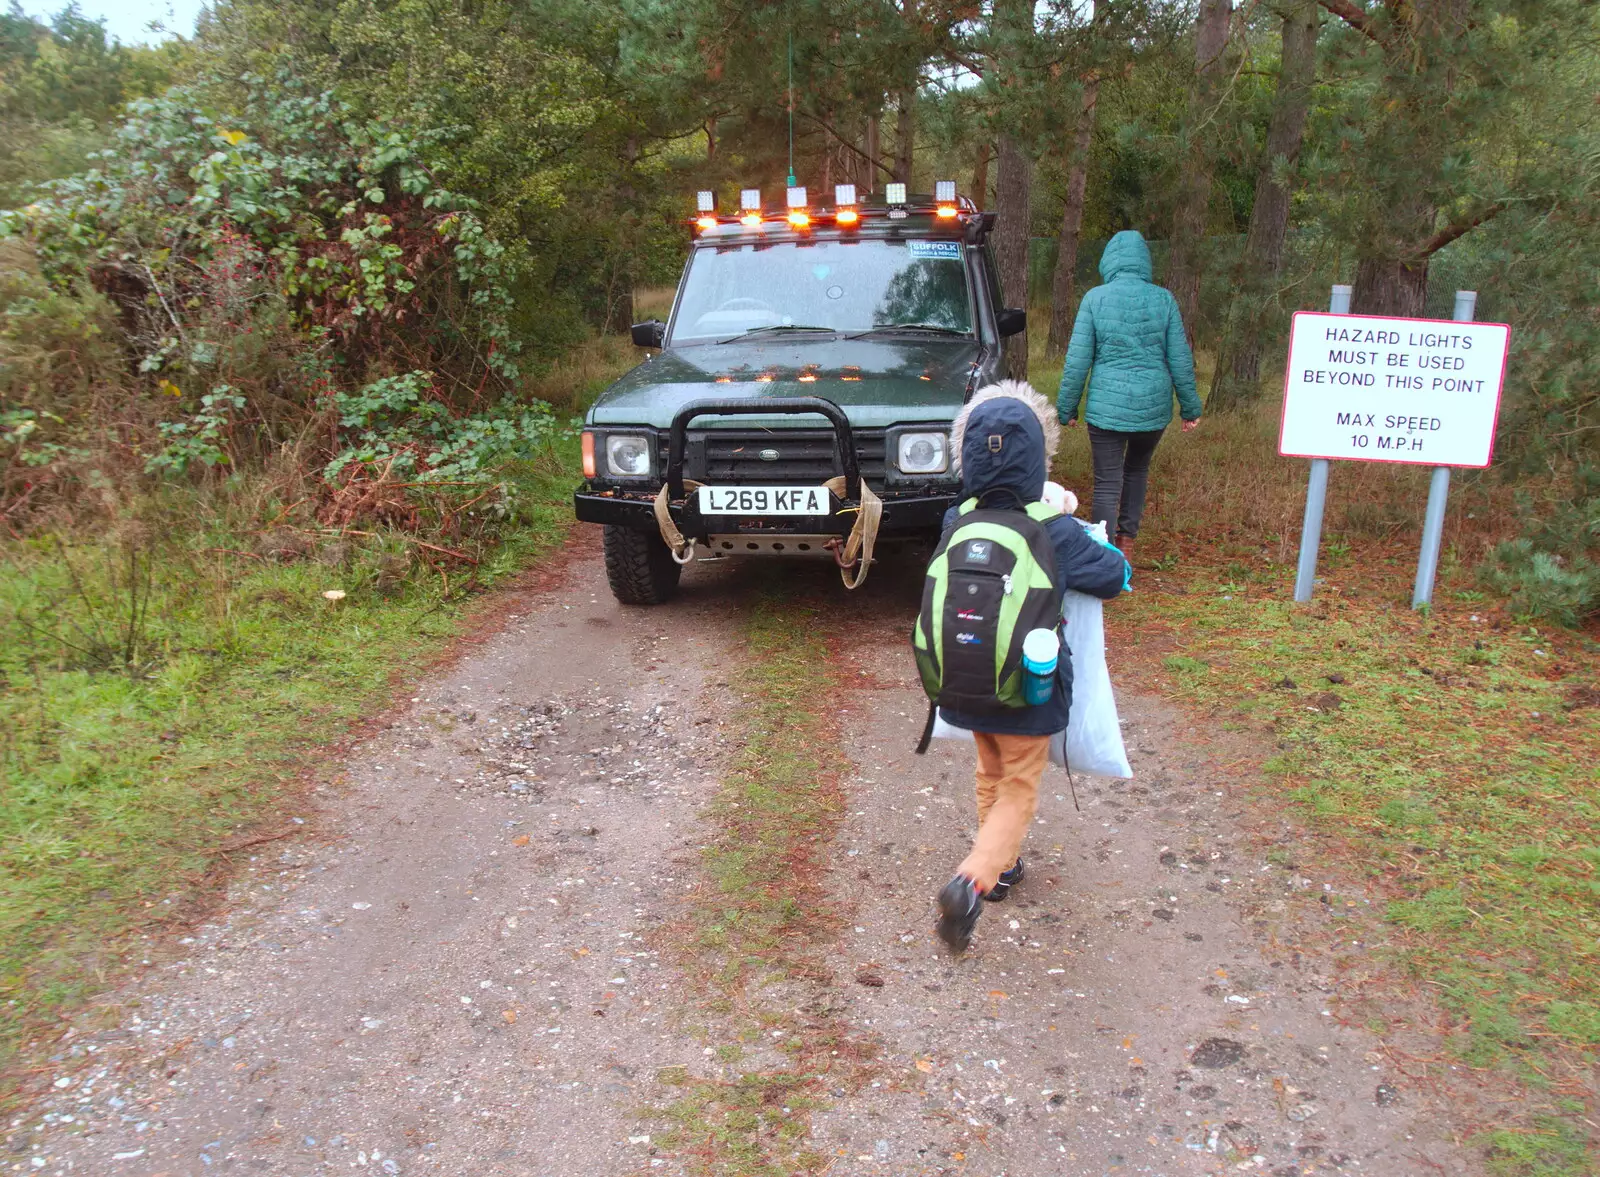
991	582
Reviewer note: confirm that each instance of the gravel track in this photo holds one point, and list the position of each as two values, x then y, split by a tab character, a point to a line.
460	968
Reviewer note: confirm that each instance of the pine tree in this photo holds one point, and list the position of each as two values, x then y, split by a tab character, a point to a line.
1238	371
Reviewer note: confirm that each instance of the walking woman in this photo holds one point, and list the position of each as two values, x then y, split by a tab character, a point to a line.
1130	335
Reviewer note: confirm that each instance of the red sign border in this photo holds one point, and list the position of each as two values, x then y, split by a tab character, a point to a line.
1494	428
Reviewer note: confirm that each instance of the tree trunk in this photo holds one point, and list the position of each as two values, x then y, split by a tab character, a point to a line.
905	134
619	293
1238	372
1071	223
1391	286
1013	192
980	175
1425	45
1392	266
871	148
1189	216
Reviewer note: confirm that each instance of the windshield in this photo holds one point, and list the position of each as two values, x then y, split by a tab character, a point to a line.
847	286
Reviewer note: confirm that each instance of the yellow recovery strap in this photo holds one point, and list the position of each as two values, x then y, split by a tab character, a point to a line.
854	560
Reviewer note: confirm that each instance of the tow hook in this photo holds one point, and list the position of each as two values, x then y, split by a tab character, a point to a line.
836	546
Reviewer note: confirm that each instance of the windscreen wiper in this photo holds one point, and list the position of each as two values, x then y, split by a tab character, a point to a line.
925	328
776	327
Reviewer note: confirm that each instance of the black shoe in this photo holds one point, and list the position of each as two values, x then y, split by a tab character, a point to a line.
1008	880
959	908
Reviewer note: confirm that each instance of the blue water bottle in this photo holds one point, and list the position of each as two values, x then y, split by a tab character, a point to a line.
1040	650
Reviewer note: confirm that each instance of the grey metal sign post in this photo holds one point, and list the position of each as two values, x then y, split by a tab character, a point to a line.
1438	491
1317	489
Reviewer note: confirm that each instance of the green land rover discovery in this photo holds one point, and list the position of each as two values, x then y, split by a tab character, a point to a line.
801	400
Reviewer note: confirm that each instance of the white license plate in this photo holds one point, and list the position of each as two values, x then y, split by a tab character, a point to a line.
764	500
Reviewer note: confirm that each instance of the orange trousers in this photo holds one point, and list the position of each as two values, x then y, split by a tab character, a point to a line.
1009	768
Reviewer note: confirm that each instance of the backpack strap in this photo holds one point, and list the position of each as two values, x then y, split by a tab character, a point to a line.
970	505
927	729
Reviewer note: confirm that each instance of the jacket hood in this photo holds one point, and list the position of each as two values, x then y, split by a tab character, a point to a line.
1017	390
999	441
1126	253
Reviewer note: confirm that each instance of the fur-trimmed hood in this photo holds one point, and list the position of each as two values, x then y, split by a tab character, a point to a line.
1001	443
1019	390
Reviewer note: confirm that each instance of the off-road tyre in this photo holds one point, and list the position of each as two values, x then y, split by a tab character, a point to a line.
639	568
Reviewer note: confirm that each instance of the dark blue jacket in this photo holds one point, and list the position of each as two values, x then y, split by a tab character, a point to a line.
1012	474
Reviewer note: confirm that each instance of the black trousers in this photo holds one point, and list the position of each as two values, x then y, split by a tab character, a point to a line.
1121	474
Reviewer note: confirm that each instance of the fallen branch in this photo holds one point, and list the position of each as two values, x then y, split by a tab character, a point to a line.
443	551
410	539
257	840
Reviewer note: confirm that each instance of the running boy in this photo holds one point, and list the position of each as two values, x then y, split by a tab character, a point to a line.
1002	443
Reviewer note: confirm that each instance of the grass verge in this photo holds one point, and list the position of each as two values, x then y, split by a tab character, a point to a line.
168	682
161	700
759	924
1448	755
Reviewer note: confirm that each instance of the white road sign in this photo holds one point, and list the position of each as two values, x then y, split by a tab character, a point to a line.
1369	389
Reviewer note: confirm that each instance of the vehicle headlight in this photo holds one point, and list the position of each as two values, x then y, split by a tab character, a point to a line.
923	453
627	455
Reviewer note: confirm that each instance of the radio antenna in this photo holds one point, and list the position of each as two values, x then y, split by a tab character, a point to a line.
791	107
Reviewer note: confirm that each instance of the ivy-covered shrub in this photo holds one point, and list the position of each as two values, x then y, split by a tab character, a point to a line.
192	220
399	452
223	286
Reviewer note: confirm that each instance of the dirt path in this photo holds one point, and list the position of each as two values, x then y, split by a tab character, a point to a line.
1155	998
461	969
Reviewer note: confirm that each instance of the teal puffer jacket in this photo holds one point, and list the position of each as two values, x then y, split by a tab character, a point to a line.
1129	332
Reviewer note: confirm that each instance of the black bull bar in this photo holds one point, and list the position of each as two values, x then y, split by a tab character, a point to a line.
844	443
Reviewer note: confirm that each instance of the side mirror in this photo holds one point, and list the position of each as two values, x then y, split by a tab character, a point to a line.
650	333
1010	320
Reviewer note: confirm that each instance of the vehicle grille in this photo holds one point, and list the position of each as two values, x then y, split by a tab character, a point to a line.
803	456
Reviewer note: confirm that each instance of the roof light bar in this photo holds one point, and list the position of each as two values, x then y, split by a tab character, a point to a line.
706	201
706	223
894	193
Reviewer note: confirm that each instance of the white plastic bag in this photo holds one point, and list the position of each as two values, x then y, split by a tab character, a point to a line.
1092	742
948	731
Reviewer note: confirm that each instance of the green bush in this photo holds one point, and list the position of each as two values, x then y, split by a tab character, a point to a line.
1540	584
1551	571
